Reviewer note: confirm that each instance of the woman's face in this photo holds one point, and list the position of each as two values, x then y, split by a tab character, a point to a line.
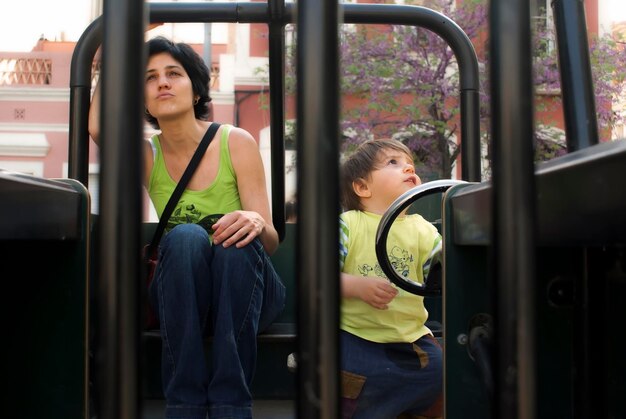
168	90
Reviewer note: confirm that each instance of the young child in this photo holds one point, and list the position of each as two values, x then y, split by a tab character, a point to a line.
391	363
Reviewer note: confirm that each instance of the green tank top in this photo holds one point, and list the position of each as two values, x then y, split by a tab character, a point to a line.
201	207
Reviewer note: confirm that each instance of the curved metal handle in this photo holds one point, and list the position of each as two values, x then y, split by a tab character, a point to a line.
399	205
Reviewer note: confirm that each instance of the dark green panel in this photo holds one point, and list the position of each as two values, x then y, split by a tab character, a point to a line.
465	294
44	308
561	351
607	284
284	260
576	288
272	379
557	269
616	380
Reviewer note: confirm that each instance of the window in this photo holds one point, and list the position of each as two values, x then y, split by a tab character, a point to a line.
543	23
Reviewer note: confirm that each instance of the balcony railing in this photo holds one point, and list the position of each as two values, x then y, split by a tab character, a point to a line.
25	71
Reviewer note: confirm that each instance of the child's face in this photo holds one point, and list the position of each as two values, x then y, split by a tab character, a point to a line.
394	175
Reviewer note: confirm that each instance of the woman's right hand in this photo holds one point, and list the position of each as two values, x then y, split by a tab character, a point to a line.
238	228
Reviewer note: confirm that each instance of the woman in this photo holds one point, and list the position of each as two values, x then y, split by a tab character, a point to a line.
213	277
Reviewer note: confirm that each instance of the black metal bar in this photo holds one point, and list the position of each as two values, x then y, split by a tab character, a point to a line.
277	112
513	208
121	125
470	136
581	128
352	13
318	200
579	104
80	96
180	12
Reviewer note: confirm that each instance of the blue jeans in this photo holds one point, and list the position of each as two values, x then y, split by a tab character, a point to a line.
385	380
231	294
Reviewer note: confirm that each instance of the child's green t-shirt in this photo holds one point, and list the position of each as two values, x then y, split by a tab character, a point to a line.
412	244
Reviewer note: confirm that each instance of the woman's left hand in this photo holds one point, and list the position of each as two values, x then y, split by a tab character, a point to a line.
238	227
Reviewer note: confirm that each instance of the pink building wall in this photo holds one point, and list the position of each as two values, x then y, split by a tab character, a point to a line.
43	108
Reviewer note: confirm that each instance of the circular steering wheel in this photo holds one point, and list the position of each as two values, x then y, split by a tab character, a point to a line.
397	207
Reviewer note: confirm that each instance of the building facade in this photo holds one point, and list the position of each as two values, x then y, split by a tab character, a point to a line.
34	92
34	95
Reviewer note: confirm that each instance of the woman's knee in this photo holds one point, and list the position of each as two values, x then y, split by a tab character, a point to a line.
187	238
239	267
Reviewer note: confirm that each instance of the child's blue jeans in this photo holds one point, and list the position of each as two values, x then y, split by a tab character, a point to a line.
231	294
385	380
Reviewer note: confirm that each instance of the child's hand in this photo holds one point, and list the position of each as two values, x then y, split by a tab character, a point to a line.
376	292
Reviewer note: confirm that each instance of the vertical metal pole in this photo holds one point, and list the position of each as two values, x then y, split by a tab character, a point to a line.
80	97
581	128
277	111
121	124
318	233
579	103
470	136
514	211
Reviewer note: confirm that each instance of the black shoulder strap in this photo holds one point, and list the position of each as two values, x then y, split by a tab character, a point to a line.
182	184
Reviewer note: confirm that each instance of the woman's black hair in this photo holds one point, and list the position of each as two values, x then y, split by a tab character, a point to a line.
195	67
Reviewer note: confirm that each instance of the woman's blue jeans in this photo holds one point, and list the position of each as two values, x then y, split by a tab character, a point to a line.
230	294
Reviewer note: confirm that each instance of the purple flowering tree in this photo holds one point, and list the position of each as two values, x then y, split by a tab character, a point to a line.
608	65
402	82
